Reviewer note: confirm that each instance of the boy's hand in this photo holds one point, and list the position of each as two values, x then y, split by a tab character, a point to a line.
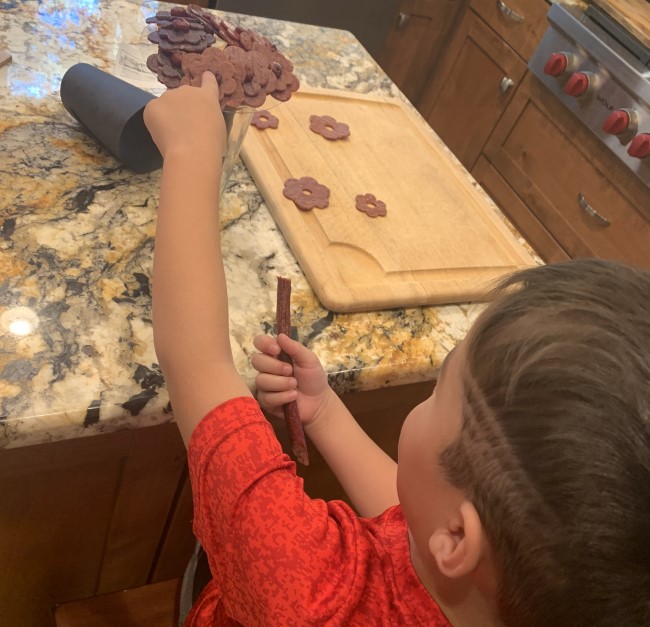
278	383
188	119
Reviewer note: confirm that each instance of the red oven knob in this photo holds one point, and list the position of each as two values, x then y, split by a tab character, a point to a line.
640	146
556	64
578	84
617	122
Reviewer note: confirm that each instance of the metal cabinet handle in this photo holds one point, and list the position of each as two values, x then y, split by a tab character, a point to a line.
402	19
590	211
511	14
505	84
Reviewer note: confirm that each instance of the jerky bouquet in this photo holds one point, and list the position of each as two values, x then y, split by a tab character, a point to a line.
248	68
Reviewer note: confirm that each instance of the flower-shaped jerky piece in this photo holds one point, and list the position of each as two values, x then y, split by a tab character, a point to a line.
178	31
260	70
370	205
162	66
263	119
328	127
307	193
210	60
286	82
254	70
238	36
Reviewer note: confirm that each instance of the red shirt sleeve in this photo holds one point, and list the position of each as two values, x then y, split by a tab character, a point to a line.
279	557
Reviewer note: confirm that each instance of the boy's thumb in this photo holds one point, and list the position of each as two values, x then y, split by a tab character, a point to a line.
300	354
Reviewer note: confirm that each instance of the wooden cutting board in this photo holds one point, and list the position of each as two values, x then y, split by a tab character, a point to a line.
441	241
634	15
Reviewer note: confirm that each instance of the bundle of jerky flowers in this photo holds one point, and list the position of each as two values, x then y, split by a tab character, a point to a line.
247	69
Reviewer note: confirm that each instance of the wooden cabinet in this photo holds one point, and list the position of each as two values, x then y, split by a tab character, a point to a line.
413	45
561	188
586	199
82	517
531	227
480	71
473	86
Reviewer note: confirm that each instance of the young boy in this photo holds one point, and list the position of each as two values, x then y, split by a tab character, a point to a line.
522	495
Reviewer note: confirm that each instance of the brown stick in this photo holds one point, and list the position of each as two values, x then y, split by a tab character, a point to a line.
291	414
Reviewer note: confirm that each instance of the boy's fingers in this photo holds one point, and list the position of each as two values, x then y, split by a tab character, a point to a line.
300	354
274	400
209	81
266	344
266	363
272	383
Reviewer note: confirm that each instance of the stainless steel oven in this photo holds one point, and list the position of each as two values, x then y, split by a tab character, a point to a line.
601	72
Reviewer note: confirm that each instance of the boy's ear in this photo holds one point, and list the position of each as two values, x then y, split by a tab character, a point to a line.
458	547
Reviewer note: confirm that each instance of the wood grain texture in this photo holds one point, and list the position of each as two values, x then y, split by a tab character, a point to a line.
413	47
468	101
441	241
178	539
519	214
140	512
84	516
154	605
632	14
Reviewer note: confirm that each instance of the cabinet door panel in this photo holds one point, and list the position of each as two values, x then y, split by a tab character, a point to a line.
473	92
413	43
521	23
512	206
82	517
565	176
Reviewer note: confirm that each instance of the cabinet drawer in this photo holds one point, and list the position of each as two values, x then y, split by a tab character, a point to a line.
584	197
521	23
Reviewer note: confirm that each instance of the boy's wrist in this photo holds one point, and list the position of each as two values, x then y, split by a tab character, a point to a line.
324	415
185	153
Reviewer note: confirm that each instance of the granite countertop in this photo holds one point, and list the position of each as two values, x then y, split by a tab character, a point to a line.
77	234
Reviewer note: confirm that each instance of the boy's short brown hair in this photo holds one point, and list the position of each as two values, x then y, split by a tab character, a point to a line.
554	451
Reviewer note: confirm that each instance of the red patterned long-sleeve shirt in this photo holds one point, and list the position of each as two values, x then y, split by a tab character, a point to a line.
281	558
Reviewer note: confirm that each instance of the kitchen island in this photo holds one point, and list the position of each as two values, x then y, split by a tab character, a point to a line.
76	347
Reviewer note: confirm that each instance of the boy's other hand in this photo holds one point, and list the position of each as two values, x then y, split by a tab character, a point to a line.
188	120
278	383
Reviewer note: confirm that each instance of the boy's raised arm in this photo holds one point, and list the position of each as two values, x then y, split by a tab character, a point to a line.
190	303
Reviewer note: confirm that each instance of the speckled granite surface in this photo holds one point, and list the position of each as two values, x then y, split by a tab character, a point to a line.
77	235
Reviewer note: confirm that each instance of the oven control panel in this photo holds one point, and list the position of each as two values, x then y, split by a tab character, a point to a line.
605	100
